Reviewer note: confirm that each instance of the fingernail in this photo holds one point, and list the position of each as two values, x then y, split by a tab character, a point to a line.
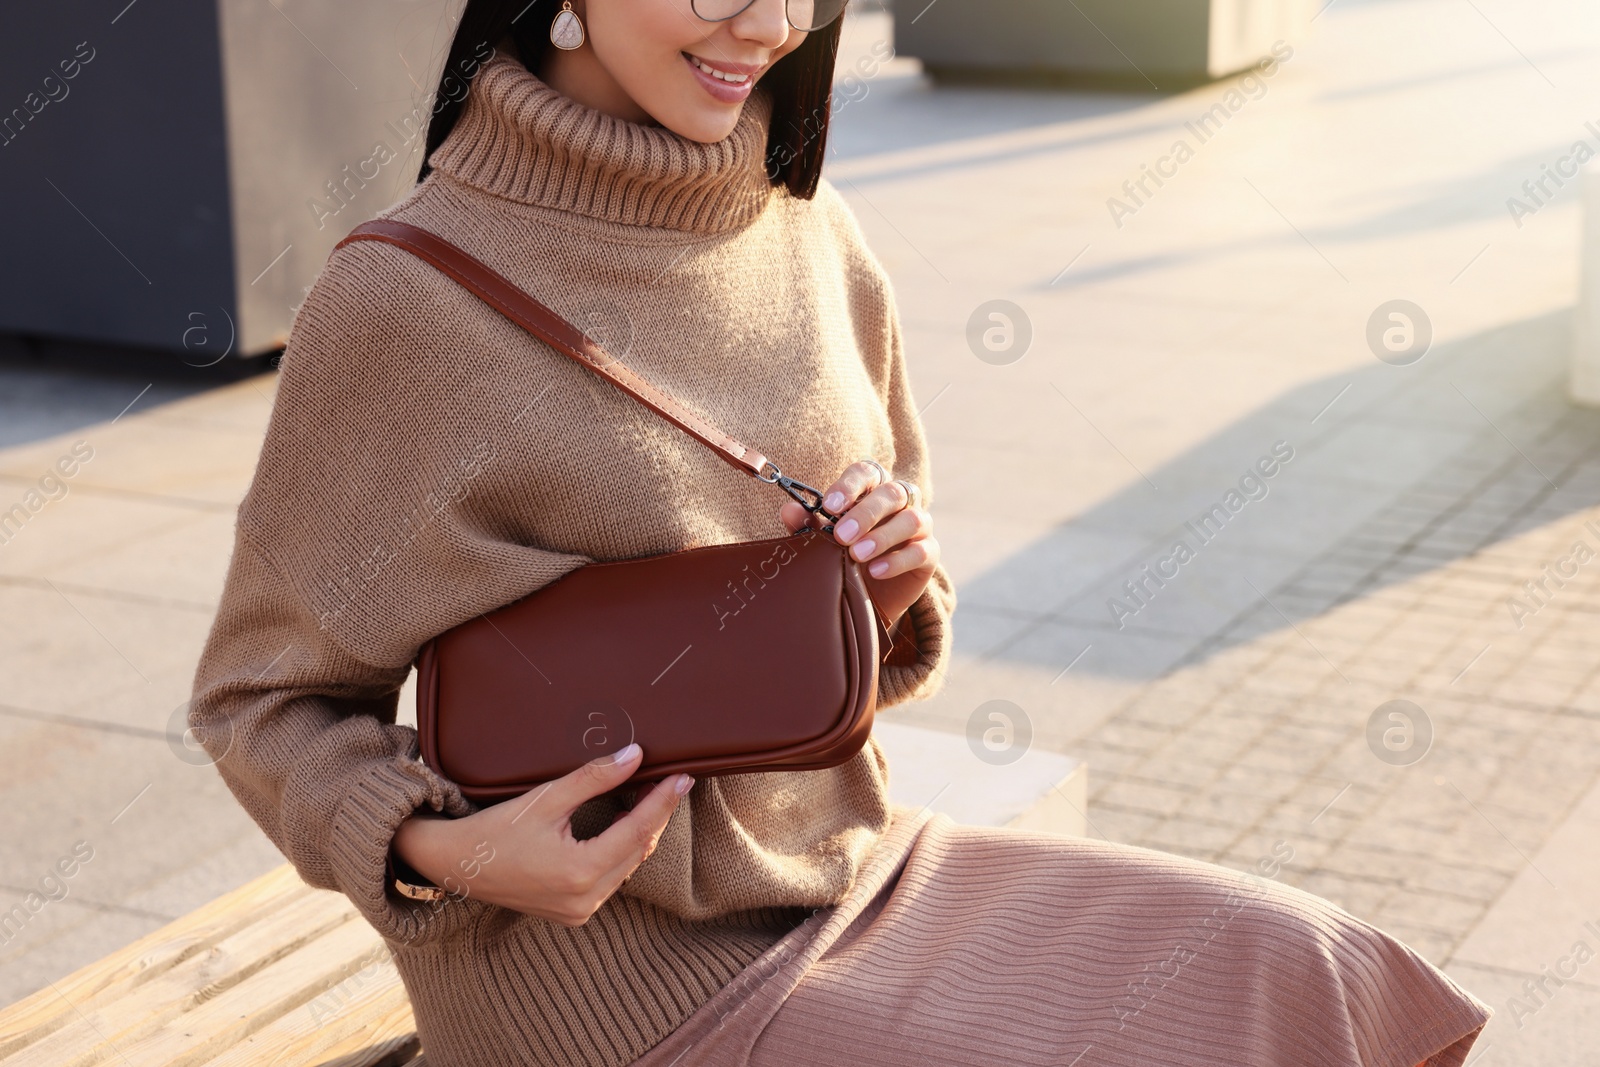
847	529
877	569
620	756
833	501
685	783
863	549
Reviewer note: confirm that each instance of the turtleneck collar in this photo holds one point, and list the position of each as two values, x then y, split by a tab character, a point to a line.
522	140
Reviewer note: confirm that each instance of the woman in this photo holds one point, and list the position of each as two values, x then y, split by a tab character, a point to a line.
651	168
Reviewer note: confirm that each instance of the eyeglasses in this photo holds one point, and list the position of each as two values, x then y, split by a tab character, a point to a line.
803	15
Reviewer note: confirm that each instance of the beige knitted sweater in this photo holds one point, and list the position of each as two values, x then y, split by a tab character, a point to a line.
428	461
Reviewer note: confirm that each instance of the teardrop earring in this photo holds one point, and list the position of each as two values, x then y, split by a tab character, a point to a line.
566	32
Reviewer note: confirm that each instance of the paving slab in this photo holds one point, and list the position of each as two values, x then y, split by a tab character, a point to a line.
1015	785
1532	956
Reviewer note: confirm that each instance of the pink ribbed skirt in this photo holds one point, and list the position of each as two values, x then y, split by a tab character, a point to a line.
962	945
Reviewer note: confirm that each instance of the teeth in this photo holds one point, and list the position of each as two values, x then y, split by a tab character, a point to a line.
734	79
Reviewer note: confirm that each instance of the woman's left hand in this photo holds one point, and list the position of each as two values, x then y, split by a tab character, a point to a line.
894	541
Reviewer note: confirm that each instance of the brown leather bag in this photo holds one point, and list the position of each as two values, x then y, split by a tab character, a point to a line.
753	656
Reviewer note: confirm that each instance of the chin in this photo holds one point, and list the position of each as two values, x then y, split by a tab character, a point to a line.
706	125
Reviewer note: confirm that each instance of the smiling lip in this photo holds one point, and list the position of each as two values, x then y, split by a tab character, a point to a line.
720	88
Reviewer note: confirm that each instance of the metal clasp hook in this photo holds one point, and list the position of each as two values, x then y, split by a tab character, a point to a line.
806	496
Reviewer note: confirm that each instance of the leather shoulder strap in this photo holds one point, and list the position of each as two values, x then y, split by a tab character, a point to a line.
553	330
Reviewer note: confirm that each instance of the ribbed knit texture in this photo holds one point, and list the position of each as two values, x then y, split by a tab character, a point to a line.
519	140
963	945
428	461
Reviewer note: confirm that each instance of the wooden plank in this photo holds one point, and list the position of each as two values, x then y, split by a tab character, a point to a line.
364	1021
206	1022
34	1017
122	1012
386	1040
288	986
273	973
316	927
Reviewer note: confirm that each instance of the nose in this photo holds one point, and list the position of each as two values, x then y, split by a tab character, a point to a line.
765	22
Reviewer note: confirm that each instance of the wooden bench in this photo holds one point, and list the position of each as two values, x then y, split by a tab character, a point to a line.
277	974
273	974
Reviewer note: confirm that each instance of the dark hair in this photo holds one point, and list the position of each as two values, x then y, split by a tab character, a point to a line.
801	84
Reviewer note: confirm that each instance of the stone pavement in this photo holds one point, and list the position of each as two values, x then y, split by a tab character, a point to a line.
1226	710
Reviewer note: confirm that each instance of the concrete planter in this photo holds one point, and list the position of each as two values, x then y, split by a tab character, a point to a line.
1135	44
186	167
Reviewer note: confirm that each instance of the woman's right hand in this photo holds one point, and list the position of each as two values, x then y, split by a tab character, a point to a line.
521	853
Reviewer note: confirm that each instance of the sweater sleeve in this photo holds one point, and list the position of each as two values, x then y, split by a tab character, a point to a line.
304	734
362	536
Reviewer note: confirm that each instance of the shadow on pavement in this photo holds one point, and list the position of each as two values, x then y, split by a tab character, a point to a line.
52	386
1396	471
